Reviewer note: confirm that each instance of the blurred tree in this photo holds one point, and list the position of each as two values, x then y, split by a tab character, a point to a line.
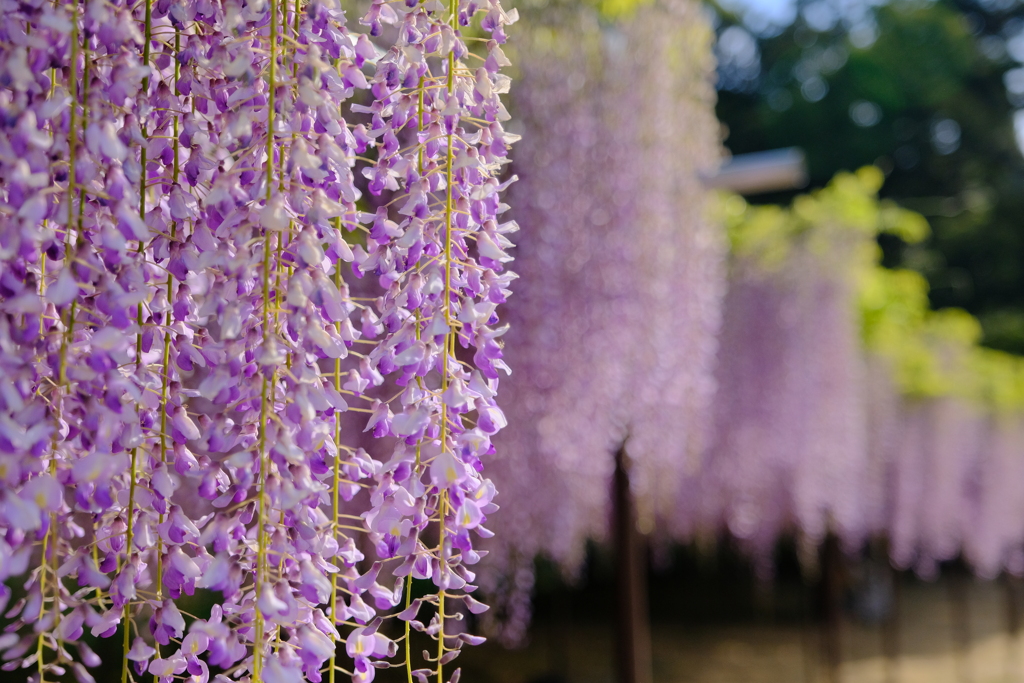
926	91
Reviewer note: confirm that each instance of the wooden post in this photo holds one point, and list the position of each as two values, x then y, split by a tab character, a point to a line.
960	617
632	625
891	628
559	645
808	653
832	597
809	556
1012	587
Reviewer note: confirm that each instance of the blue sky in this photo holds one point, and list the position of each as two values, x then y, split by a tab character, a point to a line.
821	15
780	12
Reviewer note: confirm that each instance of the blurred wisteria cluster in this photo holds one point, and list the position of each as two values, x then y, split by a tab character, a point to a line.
847	407
784	384
614	323
239	241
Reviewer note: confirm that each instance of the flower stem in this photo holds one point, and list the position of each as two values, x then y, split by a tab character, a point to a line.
42	608
140	251
72	128
336	486
261	545
408	633
443	505
129	539
449	338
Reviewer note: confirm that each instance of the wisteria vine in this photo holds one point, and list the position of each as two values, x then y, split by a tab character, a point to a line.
192	191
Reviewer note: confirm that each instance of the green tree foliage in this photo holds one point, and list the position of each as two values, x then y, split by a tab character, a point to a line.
926	102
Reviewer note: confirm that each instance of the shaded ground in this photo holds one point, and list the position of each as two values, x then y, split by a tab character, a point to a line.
950	631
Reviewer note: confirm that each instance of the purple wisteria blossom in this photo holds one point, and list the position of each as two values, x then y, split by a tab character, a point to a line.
613	328
788	445
191	193
840	411
948	471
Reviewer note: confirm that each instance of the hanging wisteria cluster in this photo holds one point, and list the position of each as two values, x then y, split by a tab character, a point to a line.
947	458
613	326
788	446
189	190
845	406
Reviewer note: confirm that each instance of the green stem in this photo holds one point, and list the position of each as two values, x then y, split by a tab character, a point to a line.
73	131
143	158
140	251
449	339
336	488
85	123
42	607
261	545
66	340
408	631
261	549
166	366
129	539
419	125
81	213
177	77
443	505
